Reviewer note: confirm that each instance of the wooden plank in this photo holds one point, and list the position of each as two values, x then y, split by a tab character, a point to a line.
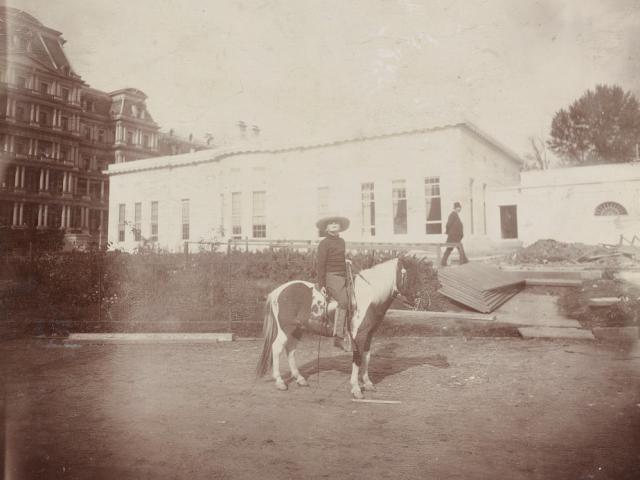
553	282
371	400
603	301
425	315
479	278
149	337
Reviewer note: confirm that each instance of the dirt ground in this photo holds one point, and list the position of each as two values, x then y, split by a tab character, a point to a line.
490	408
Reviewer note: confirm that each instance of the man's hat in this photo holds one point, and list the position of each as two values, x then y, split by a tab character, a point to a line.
457	205
323	222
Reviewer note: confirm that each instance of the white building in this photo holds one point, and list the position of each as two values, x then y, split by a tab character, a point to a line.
589	204
395	188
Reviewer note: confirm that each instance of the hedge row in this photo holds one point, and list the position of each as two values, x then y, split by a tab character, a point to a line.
110	291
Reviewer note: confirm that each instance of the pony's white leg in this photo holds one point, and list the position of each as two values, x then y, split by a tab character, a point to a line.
278	346
293	366
356	391
356	321
368	384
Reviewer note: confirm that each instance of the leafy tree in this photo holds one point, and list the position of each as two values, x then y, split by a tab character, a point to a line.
602	126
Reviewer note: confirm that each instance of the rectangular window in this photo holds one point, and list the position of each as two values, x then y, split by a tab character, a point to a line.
44	119
101	136
21	82
121	221
433	205
137	216
64	153
323	201
236	214
66	94
145	141
185	219
368	210
44	88
64	123
22	112
130	138
154	221
399	196
259	215
21	146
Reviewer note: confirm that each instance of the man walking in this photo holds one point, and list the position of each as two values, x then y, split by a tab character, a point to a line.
455	233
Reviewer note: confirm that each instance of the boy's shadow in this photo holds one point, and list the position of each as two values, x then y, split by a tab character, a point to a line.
382	364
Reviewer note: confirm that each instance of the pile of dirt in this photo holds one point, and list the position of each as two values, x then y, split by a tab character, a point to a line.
551	251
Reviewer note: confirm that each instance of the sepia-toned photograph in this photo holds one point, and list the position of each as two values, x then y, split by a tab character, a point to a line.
320	239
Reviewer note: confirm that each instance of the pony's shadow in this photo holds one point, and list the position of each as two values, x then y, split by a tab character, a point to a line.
384	362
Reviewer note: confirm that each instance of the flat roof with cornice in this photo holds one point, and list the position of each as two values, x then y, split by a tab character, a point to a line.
214	155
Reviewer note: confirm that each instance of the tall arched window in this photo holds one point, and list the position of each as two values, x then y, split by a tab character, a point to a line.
609	209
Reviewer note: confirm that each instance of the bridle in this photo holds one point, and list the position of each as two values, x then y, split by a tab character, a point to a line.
403	282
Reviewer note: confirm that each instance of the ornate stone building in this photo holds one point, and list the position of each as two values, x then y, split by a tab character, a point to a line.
57	135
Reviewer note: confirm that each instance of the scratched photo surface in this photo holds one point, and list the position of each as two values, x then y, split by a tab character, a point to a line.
302	239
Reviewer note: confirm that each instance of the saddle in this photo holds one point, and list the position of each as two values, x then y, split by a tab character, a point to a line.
323	309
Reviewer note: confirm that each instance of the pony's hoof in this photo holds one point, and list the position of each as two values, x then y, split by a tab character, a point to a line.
281	386
302	382
357	393
370	387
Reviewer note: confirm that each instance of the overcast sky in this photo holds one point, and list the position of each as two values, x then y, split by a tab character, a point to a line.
335	68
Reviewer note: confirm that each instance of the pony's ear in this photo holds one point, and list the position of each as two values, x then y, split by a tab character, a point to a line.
418	256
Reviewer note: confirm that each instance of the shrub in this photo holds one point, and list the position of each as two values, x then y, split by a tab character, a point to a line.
116	291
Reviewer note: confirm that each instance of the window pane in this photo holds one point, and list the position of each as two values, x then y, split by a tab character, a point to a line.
433	205
185	219
121	221
236	214
368	209
259	215
434	228
434	212
137	214
399	195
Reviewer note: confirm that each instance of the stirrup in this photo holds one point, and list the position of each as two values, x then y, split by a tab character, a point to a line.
343	343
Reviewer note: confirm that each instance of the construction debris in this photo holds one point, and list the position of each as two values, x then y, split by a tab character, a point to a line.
478	286
604	301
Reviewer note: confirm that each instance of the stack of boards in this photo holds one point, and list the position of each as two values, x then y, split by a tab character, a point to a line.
480	287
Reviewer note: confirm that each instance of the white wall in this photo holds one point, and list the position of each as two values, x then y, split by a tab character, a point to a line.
560	204
291	180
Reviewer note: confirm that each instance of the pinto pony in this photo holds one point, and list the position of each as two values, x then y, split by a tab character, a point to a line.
297	306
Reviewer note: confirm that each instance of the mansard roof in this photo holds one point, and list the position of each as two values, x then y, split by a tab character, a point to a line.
22	34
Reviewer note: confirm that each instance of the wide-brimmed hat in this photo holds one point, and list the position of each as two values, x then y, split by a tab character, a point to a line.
323	222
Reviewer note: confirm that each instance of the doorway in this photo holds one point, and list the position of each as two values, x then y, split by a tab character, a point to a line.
509	221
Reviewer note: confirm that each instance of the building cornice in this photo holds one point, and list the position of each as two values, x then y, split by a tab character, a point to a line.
214	155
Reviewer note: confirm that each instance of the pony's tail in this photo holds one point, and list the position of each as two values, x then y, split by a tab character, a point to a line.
269	332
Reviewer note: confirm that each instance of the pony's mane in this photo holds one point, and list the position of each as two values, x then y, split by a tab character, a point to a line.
382	278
